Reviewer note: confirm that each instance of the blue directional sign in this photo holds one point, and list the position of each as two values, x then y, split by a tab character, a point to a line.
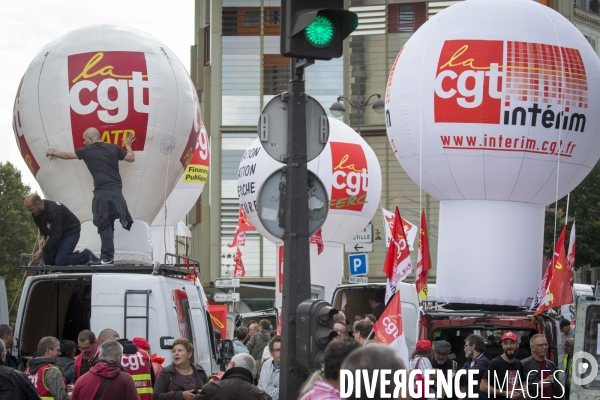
358	263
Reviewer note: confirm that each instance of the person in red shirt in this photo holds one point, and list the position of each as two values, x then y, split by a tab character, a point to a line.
107	378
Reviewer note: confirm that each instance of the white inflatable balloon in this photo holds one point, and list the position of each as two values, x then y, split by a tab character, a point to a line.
349	170
181	200
485	115
120	81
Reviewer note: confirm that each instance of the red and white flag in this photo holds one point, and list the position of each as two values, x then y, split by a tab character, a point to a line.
423	260
239	237
397	263
317	239
388	328
559	290
410	229
239	265
571	254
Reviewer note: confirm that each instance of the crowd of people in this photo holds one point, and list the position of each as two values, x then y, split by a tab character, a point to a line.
108	367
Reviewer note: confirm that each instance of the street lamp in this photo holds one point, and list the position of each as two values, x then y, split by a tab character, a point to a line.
337	109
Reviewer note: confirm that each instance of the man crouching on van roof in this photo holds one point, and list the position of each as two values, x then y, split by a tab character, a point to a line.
102	160
59	232
43	372
108	368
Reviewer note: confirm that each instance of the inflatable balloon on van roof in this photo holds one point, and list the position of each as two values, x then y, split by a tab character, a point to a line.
120	81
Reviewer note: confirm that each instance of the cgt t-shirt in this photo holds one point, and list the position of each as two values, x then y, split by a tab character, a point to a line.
505	372
102	160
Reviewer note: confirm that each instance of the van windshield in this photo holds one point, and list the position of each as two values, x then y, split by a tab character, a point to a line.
591	344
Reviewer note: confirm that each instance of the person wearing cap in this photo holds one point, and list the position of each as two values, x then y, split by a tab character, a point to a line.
538	371
504	367
440	361
566	329
476	360
420	359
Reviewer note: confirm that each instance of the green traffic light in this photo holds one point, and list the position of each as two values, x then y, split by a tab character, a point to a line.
320	32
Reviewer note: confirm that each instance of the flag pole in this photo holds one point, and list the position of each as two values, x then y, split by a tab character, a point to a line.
567	213
369	337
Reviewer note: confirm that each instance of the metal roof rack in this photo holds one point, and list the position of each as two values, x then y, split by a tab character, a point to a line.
189	268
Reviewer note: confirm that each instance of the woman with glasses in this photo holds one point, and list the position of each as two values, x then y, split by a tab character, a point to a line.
182	379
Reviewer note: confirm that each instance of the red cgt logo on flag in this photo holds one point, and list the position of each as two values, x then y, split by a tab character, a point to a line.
109	91
350	177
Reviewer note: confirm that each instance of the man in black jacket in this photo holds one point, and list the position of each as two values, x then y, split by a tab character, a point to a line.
59	233
14	385
7	337
236	383
102	160
538	372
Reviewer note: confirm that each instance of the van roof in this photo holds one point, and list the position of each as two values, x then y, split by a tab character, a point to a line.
174	270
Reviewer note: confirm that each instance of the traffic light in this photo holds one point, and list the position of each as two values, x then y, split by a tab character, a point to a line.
315	28
314	330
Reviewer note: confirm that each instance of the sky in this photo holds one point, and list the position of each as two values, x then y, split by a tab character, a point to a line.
28	25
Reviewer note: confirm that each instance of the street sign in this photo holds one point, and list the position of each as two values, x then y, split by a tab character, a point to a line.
226	297
227	283
359	264
358	247
358	279
365	236
271	203
273	127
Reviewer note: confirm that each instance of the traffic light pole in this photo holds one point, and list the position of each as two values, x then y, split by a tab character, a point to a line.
296	264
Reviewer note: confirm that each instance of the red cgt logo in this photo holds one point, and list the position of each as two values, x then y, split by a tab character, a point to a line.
109	91
350	177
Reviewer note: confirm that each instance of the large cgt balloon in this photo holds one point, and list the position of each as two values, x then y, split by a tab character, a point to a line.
120	81
492	107
349	170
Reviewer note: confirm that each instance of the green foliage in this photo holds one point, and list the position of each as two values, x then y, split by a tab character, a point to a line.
585	208
17	231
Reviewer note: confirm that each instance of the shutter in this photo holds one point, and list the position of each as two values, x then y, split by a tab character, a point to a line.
420	14
393	18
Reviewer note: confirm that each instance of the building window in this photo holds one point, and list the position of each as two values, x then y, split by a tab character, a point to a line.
276	73
248	21
406	17
207	45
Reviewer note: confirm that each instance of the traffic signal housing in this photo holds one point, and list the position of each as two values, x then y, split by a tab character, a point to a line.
315	29
314	330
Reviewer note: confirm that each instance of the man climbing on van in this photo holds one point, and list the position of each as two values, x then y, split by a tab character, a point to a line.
59	233
43	372
108	204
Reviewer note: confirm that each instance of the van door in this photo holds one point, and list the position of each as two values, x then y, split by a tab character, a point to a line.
585	380
3	303
200	332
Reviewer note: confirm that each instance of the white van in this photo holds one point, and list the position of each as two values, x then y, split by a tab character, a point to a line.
154	302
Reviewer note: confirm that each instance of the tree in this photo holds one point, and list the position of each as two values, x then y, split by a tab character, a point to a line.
17	231
584	206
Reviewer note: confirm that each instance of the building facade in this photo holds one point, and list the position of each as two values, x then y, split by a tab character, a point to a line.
237	69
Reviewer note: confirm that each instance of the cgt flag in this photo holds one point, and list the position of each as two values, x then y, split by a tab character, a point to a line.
559	290
388	328
239	265
317	239
423	260
239	237
397	263
410	230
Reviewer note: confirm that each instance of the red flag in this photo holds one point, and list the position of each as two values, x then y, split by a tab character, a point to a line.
239	237
317	239
239	265
397	263
559	290
571	255
388	328
423	260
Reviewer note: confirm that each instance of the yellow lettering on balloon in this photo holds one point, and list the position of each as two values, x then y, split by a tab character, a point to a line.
29	163
349	167
105	137
116	135
87	72
465	63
